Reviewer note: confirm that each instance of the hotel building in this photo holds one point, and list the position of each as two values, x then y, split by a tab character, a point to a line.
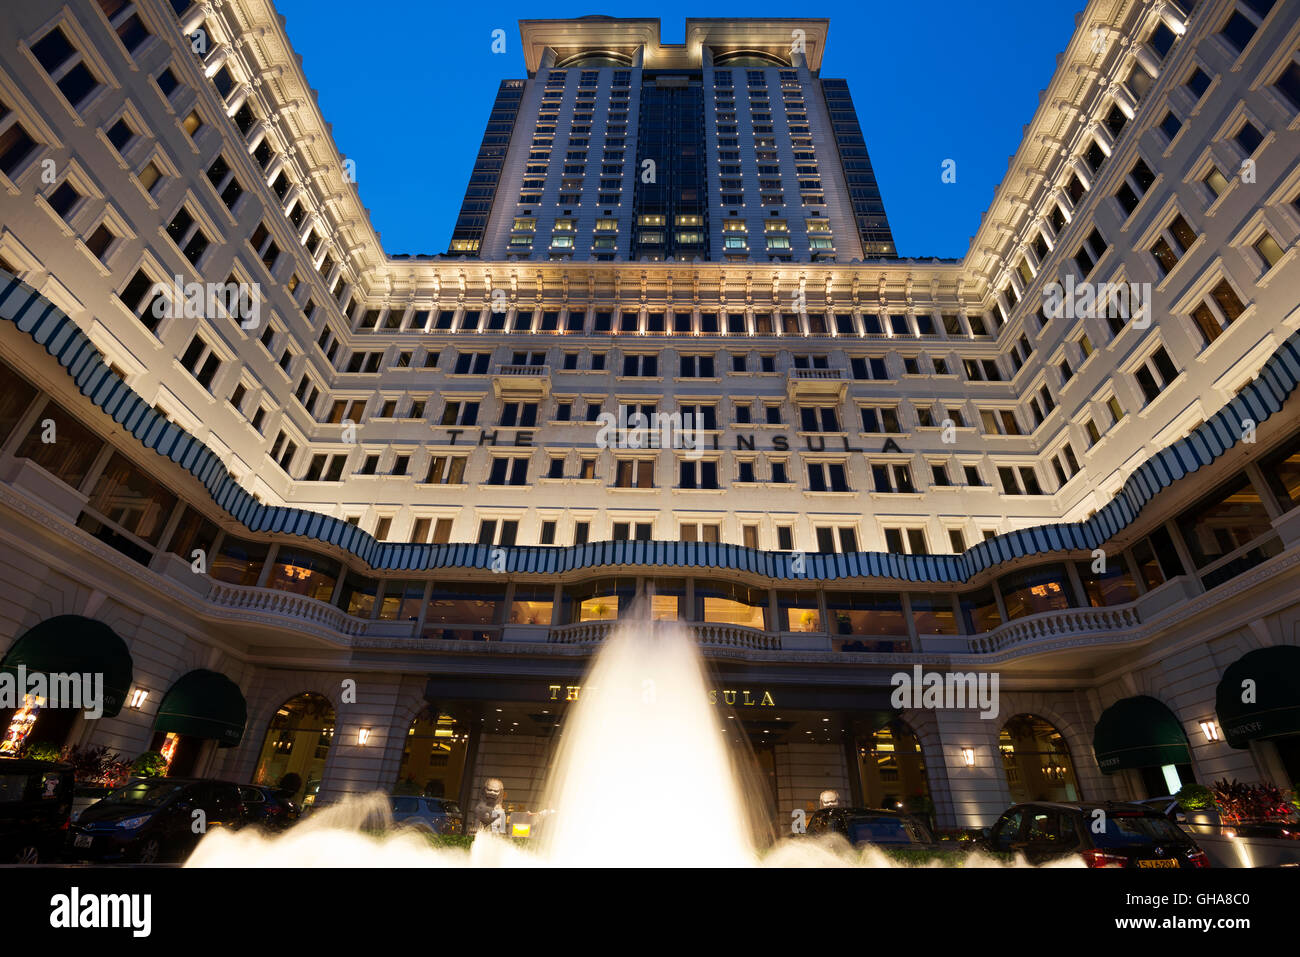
364	524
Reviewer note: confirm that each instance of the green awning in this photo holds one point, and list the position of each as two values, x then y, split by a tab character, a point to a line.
72	644
1275	706
204	704
1138	732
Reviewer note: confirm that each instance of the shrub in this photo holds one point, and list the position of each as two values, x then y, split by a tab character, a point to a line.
1195	797
1239	802
42	752
97	766
151	764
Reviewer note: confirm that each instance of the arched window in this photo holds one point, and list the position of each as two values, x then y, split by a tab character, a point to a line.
1036	761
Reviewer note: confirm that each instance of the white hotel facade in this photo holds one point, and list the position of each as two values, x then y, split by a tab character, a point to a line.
372	538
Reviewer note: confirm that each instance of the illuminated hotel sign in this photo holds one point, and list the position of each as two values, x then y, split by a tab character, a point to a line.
745	699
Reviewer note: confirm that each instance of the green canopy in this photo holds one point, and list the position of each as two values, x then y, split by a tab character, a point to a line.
72	644
1275	708
204	704
1138	732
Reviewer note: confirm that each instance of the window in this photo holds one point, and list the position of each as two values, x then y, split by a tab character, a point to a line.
519	414
634	473
446	470
1000	422
1248	138
65	66
643	365
892	478
1241	25
1268	249
819	419
472	363
187	235
1156	374
142	297
880	420
697	367
1217	312
906	541
223	181
1135	186
508	471
200	361
1172	244
459	412
827	477
698	474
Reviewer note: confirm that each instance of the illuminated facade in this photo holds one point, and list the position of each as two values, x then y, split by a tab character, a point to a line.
391	470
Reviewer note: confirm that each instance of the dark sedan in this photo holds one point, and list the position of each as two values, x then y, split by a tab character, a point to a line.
154	820
1101	834
35	805
860	825
268	808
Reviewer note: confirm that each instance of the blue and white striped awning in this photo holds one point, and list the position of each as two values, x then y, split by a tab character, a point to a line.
60	336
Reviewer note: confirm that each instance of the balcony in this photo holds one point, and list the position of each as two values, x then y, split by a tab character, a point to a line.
817	384
707	635
521	381
1114	623
270	606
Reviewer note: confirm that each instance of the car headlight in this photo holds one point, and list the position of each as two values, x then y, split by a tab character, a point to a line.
131	823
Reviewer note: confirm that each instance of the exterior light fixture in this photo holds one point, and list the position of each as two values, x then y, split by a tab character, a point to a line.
363	735
138	697
1210	730
968	756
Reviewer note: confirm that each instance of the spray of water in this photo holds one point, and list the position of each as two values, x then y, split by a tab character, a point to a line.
642	778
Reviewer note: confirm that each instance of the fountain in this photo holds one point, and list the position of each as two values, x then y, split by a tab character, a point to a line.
642	778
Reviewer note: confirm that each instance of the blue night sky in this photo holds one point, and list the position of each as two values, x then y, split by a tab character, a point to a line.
408	85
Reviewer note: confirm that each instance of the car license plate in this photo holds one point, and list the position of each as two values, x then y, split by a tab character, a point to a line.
1165	862
82	840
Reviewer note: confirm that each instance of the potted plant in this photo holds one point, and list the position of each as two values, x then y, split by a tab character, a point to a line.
151	764
1197	803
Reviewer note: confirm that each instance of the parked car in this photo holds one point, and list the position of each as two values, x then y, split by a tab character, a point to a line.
441	815
84	795
1102	834
859	825
35	806
150	820
268	808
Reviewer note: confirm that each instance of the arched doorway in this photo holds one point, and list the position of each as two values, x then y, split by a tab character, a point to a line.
433	756
1036	761
200	708
891	767
296	746
65	657
1141	734
1257	703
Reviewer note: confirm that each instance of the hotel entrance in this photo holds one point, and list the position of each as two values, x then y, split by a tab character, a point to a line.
433	756
891	767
